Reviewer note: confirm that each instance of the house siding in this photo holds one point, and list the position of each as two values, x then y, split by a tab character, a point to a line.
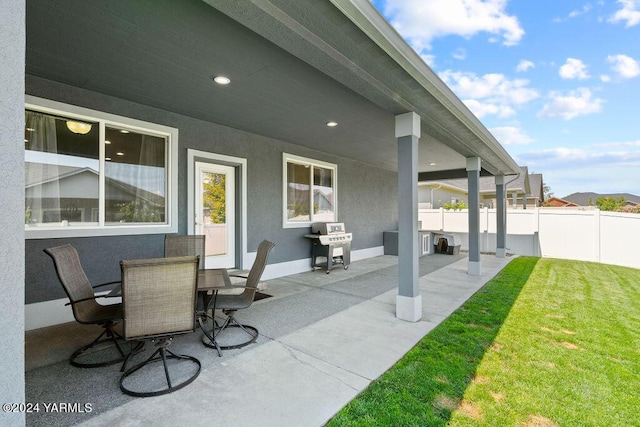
367	196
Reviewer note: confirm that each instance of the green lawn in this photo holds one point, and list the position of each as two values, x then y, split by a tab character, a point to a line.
547	342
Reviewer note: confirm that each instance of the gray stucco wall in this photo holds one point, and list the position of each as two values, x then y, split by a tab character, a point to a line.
367	196
12	40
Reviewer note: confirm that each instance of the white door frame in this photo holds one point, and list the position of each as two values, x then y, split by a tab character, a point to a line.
228	258
238	162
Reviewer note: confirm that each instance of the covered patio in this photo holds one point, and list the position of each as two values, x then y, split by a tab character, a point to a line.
324	84
323	339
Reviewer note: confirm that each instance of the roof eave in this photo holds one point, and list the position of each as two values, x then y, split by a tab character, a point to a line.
364	15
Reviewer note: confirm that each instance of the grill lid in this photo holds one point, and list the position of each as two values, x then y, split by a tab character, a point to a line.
328	228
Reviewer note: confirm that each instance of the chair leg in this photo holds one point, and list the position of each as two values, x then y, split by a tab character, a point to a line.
231	322
208	339
111	336
161	354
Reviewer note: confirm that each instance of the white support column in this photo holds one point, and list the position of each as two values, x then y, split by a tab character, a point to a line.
408	300
473	177
12	90
501	216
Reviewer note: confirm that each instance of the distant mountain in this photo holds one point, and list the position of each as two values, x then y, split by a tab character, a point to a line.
587	199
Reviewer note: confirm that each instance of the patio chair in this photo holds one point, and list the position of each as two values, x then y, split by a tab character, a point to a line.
190	245
159	298
230	304
181	245
109	347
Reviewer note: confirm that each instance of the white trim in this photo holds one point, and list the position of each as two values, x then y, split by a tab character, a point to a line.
224	159
73	111
288	268
286	158
474	268
409	308
54	312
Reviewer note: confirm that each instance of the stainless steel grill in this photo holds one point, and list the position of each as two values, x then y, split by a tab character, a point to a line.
330	245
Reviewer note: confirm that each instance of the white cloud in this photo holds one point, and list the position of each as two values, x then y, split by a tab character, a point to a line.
574	13
605	78
482	109
422	21
629	14
574	69
460	54
576	103
587	157
618	144
568	170
510	135
430	60
524	65
624	65
490	94
492	87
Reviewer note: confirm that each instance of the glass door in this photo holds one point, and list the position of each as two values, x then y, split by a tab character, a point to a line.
215	213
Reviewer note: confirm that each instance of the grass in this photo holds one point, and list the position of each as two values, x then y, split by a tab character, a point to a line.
545	343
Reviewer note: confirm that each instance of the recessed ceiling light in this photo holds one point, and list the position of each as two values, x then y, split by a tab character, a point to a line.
124	131
222	80
332	124
31	130
107	158
432	164
120	153
107	142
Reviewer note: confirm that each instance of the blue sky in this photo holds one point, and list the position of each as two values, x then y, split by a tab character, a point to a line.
556	82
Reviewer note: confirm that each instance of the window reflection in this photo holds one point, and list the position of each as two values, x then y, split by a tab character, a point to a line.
135	184
61	171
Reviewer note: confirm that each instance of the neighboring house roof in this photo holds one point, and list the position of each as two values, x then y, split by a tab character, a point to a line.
537	186
556	202
487	183
589	199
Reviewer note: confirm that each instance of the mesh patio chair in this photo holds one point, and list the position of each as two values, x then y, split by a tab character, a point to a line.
191	245
159	298
230	304
181	245
109	347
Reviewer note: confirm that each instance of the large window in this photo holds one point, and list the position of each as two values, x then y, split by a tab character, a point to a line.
310	191
91	173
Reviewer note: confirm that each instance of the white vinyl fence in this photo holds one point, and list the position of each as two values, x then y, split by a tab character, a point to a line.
588	235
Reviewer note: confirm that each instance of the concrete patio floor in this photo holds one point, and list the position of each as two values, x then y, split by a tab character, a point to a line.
323	339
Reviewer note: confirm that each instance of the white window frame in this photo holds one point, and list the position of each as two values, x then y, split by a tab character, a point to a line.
106	119
291	158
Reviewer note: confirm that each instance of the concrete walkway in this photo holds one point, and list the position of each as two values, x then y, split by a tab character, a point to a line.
304	377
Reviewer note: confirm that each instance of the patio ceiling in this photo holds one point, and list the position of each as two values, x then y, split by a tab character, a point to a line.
302	64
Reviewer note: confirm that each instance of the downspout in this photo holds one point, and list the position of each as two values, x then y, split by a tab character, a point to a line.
505	204
506	195
434	188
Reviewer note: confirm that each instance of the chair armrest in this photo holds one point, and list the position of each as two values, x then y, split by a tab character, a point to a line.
85	299
105	284
238	287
